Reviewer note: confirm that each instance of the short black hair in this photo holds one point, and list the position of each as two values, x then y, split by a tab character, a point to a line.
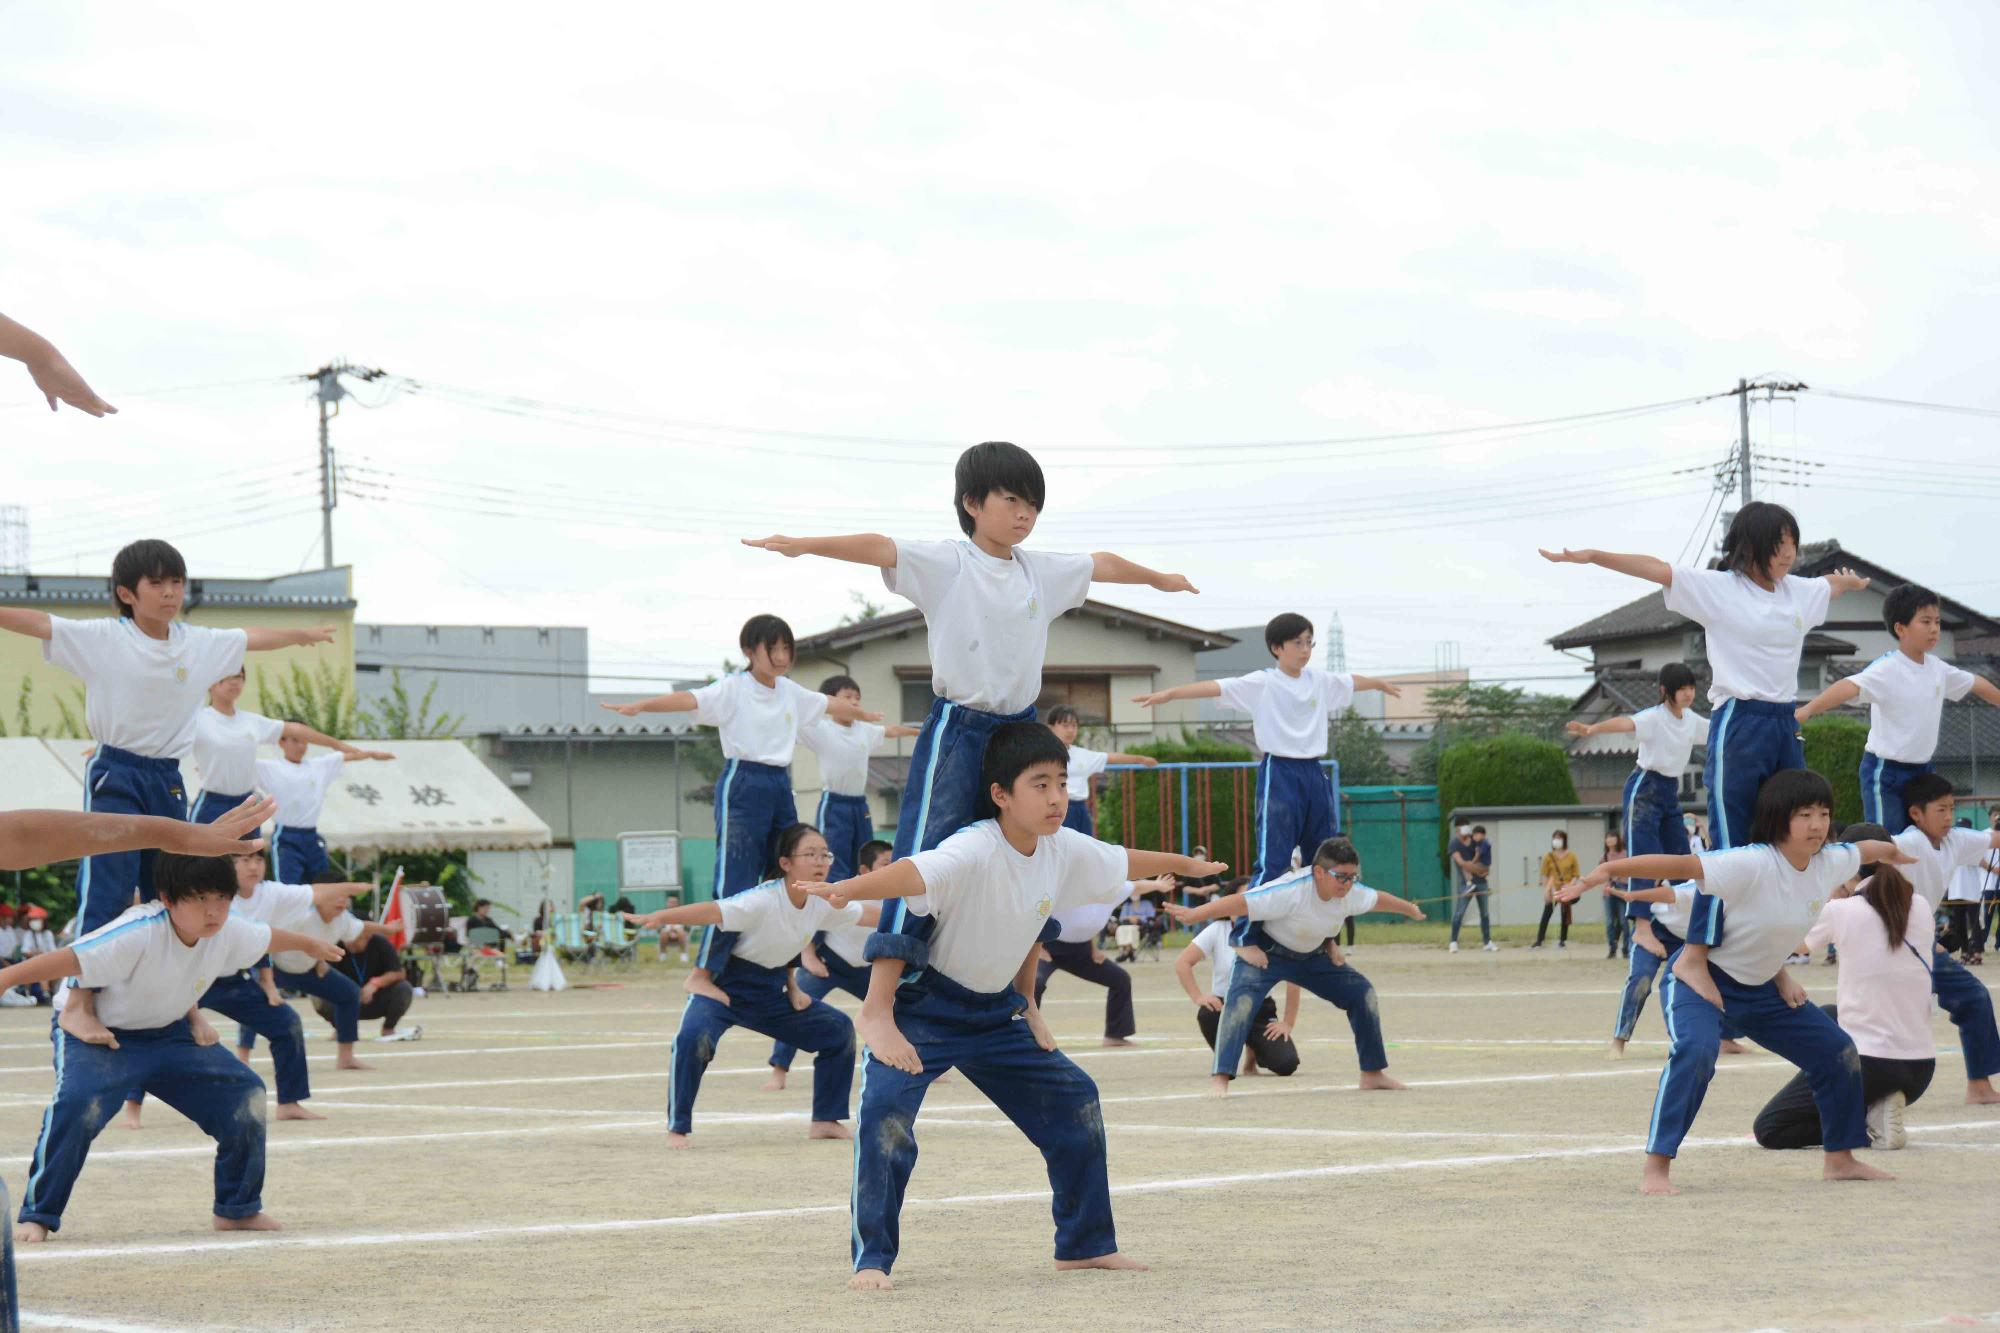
1479	828
790	837
147	559
833	685
179	879
478	903
765	631
1864	832
1063	713
1755	535
1924	788
995	466
871	849
1336	851
1674	677
1900	607
1284	627
1015	748
1784	794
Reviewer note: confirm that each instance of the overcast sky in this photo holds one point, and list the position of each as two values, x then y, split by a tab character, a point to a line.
1107	232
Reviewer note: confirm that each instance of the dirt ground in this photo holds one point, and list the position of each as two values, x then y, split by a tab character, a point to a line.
507	1172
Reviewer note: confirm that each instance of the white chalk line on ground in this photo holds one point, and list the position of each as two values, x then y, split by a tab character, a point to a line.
40	1255
93	1324
206	1149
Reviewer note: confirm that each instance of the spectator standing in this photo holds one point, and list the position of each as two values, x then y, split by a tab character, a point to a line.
1472	859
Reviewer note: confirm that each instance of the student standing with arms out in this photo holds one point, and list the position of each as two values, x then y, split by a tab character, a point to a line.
1085	765
1472	858
843	749
1773	887
145	676
1559	867
1905	692
835	959
225	748
993	890
298	853
759	716
988	603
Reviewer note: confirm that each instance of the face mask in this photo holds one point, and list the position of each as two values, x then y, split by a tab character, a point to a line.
1558	844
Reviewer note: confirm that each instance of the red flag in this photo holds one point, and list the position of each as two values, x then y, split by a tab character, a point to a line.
394	916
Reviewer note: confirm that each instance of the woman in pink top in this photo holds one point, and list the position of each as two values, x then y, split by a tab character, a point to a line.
1882	930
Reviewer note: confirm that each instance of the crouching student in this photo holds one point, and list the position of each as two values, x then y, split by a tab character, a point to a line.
148	967
772	923
973	909
1269	1045
1301	915
1773	888
323	917
834	959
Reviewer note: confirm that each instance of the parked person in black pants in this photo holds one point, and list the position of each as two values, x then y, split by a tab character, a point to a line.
1617	924
386	992
1075	951
1559	867
1884	931
1269	1046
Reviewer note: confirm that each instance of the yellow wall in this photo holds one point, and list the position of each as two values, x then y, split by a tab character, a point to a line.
22	656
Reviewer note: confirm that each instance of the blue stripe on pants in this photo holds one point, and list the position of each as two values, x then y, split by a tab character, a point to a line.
753	805
1047	1096
1336	983
1294	812
1882	783
118	782
213	805
1970	1006
1640	970
847	827
240	998
841	975
1748	741
1805	1036
297	854
757	1001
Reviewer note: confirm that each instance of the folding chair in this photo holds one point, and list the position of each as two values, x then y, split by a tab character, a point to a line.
617	941
573	943
481	943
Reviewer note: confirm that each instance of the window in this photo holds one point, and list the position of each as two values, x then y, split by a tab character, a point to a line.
1090	696
917	698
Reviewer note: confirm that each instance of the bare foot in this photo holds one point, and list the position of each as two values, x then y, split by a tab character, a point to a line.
678	1140
1654	1180
870	1279
79	1019
827	1129
1250	1069
1696	978
1617	1049
1980	1092
243	1055
886	1042
1112	1260
699	982
254	1222
1119	1041
130	1120
1218	1085
1846	1166
1377	1081
30	1233
775	1083
349	1062
293	1111
1731	1046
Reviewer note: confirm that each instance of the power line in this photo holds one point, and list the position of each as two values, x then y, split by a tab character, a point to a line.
1954	408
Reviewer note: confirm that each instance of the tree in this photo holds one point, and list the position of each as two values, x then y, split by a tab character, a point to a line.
1501	770
68	723
319	698
1833	750
864	610
1472	711
1231	796
397	718
1358	747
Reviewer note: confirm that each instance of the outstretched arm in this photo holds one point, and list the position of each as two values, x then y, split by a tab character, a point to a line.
694	914
263	640
898	879
1142	864
862	548
290	941
1120	757
1390	688
1215	909
1659	893
1844	580
1833	696
53	374
1200	689
327	896
42	967
1620	723
1659	866
1987	690
1108	568
300	731
31	838
840	710
680	701
1648	567
895	729
1389	902
34	624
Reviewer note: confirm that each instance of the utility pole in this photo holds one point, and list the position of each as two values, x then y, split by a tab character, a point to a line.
330	391
1742	441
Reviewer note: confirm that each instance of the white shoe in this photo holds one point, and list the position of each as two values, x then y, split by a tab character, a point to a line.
1885	1122
1490	947
411	1033
1454	946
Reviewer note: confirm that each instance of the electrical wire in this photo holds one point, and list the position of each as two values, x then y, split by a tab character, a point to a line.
1954	408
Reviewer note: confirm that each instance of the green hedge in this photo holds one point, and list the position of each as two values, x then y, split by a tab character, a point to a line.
1508	769
1833	750
1146	794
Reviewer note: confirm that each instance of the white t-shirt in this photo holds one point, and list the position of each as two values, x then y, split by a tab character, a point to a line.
10	941
1769	905
35	941
770	931
1884	988
1676	914
300	789
225	748
1666	741
990	902
1965	884
1936	867
1214	941
143	694
1082	924
1083	766
1293	913
1754	637
988	619
148	978
275	904
1289	714
1905	700
756	722
341	930
848	942
843	753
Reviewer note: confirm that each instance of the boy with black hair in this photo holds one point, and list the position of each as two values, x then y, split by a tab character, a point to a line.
1084	765
145	676
300	785
843	749
988	603
1905	693
759	716
225	749
992	891
1302	915
149	966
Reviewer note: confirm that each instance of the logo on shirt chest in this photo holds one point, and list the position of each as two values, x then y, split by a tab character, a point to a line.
180	675
1034	606
1044	907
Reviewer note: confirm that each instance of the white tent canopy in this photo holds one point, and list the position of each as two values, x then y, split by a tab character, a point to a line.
433	796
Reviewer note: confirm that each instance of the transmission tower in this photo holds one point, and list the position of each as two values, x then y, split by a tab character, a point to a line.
13	539
1336	644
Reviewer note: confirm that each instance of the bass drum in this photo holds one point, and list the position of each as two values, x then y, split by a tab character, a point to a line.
428	915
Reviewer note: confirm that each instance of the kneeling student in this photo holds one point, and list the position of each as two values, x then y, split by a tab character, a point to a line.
149	966
1269	1044
1301	915
973	909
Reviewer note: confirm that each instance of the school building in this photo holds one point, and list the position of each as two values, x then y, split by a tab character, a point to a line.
54	698
1628	646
